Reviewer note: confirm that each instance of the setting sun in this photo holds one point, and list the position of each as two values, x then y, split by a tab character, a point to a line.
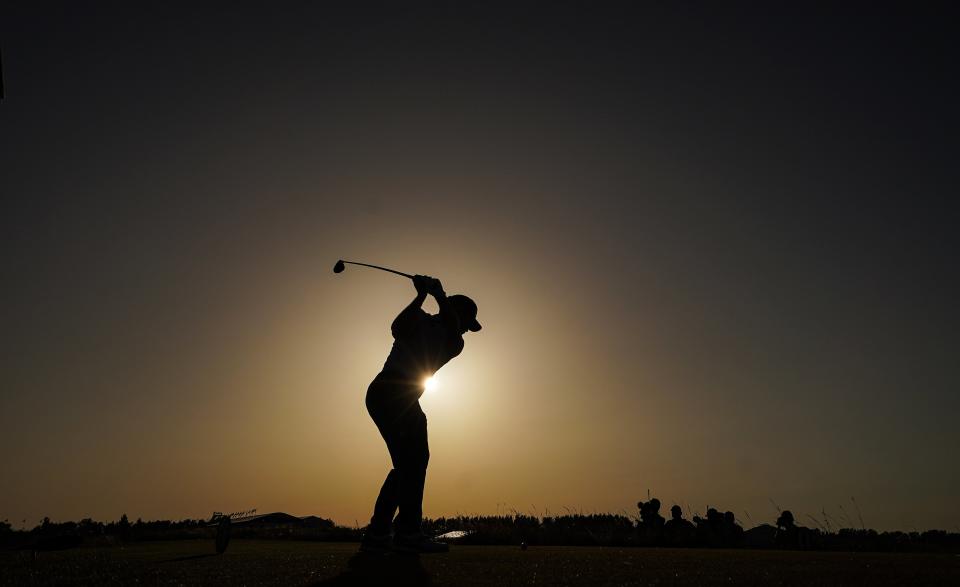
431	383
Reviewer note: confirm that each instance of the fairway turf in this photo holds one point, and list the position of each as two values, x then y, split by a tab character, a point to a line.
252	562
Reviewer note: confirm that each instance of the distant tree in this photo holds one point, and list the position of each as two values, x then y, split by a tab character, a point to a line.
6	533
123	527
88	527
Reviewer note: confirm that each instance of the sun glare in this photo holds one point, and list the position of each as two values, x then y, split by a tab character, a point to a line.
430	383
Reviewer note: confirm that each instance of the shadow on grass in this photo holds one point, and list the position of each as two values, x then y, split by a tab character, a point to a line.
376	569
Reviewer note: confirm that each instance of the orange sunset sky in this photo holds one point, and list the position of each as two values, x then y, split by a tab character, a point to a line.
714	259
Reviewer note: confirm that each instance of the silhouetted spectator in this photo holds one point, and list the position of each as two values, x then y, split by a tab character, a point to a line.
677	531
650	527
789	535
787	531
785	520
732	532
710	529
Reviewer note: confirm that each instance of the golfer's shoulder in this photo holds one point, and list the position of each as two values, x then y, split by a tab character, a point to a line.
410	322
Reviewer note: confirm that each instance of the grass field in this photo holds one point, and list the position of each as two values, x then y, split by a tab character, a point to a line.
250	562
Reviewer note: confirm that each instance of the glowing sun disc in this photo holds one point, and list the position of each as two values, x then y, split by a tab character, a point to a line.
430	384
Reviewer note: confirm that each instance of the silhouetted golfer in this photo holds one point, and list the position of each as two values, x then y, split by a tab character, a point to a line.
422	344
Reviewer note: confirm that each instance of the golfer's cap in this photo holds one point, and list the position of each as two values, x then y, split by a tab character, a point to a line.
467	309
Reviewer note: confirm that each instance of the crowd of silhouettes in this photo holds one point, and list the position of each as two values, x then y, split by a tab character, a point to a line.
716	529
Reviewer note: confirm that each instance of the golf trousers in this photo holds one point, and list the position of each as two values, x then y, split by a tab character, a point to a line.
403	425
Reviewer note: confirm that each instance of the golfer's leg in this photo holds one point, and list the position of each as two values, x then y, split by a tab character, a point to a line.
386	505
411	466
388	499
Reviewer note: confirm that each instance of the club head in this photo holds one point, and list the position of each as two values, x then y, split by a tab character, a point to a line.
339	267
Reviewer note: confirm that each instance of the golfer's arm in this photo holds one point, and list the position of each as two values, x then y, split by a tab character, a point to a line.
408	316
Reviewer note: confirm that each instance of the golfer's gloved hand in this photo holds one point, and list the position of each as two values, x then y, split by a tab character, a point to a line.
422	283
436	288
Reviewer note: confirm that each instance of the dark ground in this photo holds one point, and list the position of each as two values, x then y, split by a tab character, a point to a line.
249	562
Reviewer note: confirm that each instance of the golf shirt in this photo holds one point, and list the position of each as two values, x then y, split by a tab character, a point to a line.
422	343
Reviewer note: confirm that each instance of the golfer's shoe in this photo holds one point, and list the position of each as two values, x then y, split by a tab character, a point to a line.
375	543
418	544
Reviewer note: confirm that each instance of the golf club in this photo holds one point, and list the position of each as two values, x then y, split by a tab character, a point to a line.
340	266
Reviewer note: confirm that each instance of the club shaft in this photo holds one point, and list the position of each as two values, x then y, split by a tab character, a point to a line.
407	275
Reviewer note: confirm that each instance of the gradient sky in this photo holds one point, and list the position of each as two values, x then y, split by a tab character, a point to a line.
714	253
